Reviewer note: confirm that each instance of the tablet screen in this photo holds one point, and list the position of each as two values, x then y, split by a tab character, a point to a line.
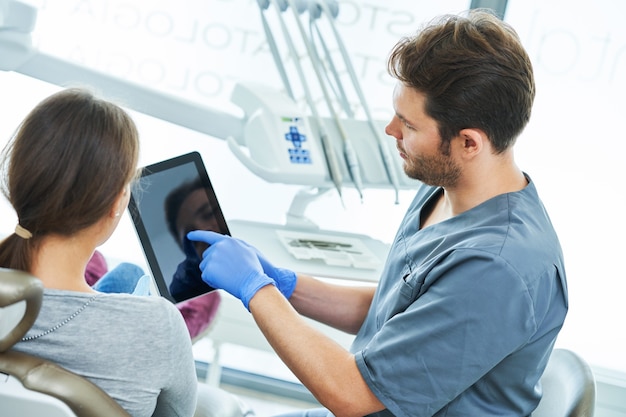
170	199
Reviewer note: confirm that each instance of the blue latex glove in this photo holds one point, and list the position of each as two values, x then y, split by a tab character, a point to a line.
231	265
285	279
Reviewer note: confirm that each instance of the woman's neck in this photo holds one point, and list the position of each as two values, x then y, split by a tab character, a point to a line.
60	262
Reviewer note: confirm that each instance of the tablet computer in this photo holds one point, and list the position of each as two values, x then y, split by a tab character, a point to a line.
170	199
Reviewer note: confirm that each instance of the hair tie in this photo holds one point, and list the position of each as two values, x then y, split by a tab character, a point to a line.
22	232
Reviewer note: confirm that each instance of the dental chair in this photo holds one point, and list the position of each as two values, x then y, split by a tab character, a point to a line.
30	386
569	388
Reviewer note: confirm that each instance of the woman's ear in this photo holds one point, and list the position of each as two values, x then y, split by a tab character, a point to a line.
120	203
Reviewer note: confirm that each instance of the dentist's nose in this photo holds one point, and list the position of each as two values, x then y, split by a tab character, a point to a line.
392	128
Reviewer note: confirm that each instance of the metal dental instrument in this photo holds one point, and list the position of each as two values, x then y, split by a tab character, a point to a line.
383	149
348	150
263	5
342	97
331	157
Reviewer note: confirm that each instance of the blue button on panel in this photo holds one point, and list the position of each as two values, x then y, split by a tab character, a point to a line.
297	155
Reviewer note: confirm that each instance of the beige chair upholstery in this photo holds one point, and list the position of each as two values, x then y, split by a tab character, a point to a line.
32	386
569	388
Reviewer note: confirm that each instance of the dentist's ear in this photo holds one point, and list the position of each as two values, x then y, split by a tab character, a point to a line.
473	142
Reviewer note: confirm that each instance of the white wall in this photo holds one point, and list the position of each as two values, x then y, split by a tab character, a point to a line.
573	148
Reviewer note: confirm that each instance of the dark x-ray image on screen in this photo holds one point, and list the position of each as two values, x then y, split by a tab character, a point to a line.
172	198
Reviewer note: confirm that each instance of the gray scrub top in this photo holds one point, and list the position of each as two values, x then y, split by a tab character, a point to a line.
467	311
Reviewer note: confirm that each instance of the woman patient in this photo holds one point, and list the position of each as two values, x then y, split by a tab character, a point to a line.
67	172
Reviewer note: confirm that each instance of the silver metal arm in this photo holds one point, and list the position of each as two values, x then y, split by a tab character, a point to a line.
135	96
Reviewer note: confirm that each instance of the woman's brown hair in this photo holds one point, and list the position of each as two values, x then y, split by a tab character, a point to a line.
64	167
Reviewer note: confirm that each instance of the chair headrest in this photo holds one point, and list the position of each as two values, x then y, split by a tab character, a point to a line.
20	300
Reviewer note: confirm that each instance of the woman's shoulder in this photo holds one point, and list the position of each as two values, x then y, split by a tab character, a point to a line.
138	304
144	311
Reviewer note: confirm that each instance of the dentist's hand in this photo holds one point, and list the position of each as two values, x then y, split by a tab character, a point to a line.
231	265
285	279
